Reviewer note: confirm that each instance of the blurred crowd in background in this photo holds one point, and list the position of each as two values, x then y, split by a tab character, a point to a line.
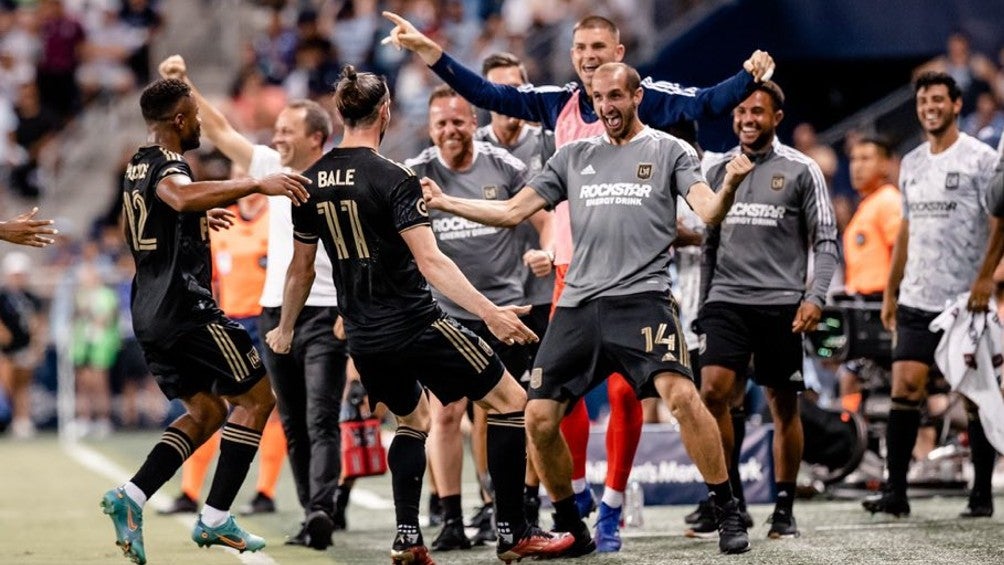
59	57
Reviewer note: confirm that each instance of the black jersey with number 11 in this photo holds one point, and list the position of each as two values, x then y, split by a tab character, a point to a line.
360	202
171	292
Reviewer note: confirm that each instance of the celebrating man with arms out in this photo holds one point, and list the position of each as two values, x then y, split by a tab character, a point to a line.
617	313
570	113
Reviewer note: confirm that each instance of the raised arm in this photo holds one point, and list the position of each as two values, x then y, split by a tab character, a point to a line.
215	126
299	279
526	102
712	206
501	213
443	273
666	103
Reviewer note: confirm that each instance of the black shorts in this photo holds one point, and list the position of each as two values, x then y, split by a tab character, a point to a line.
537	320
515	358
731	334
218	358
913	340
638	335
447	358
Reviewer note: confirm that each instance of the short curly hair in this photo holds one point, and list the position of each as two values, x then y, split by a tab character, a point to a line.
161	98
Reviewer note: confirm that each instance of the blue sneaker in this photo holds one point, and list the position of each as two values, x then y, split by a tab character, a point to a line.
127	517
585	502
229	534
608	529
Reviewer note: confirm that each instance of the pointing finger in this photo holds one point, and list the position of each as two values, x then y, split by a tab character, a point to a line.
398	20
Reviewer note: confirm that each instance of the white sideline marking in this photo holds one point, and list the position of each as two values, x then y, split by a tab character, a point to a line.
369	500
104	466
882	526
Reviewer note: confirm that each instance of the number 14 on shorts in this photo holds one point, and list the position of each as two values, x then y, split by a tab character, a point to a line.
657	336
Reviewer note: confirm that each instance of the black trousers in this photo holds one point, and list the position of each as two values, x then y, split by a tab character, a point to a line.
308	384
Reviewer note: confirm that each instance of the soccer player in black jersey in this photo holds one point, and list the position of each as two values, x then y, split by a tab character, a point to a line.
370	215
194	351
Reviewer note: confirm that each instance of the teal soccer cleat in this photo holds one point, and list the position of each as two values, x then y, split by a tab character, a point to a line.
127	517
229	534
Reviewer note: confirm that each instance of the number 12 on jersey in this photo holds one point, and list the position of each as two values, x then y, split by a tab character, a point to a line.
330	213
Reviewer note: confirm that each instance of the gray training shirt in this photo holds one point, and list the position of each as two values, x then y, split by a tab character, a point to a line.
490	257
622	203
760	252
533	147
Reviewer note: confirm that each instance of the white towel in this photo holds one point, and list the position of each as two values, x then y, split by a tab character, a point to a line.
969	354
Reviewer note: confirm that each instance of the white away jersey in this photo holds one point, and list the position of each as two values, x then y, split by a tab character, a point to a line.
945	201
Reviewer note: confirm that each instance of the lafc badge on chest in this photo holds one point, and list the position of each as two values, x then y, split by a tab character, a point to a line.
491	192
644	171
777	182
951	181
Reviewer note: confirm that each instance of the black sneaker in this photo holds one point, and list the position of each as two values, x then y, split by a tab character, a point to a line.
703	509
484	521
451	537
887	502
704	524
531	508
319	527
782	525
338	519
435	511
747	517
260	504
338	516
300	539
979	507
732	534
584	544
410	550
703	521
181	505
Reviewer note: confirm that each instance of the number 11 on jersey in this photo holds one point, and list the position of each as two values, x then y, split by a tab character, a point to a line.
330	213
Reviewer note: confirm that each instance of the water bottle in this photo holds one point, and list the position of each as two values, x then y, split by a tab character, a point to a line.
634	503
352	407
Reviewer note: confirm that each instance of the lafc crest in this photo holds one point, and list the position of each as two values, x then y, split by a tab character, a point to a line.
644	171
777	182
491	192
